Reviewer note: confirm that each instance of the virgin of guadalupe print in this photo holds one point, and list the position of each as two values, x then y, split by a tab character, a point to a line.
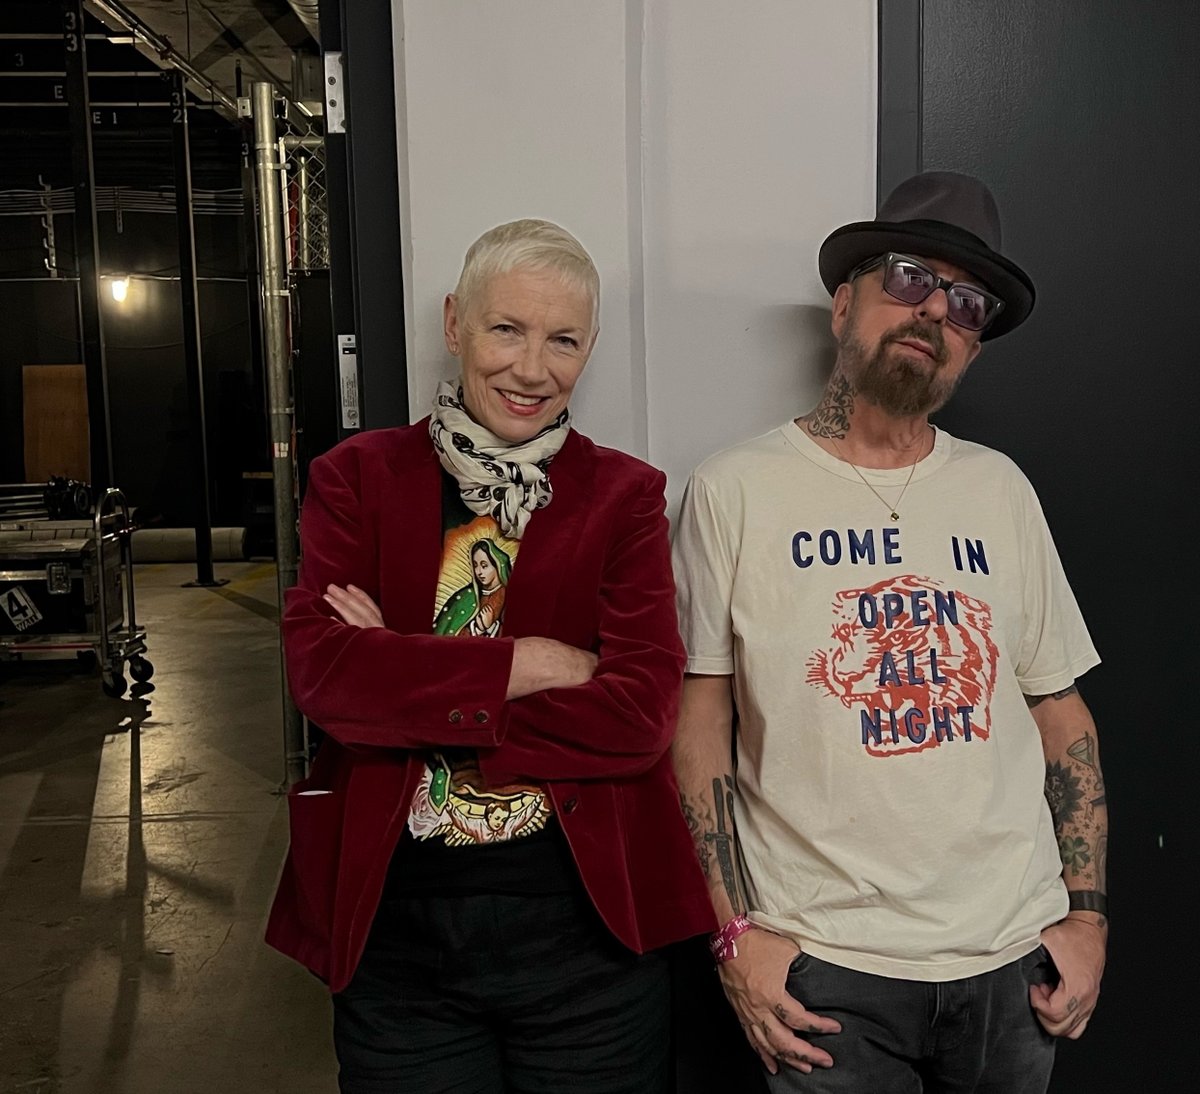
478	607
452	804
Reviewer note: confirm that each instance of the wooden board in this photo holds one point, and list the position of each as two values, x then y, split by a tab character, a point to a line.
56	422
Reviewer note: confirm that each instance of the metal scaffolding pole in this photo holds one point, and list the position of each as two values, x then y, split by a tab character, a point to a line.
193	359
251	243
87	248
277	360
304	252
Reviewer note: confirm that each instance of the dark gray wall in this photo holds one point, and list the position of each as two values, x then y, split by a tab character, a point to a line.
1084	119
144	349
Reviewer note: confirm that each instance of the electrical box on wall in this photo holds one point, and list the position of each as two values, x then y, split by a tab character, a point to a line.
348	380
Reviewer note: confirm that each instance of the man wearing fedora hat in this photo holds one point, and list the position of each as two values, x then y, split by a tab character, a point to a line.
882	656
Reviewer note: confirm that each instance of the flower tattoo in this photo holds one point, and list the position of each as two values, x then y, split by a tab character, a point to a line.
1063	793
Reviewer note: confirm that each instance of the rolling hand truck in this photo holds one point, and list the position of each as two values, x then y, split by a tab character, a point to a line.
66	586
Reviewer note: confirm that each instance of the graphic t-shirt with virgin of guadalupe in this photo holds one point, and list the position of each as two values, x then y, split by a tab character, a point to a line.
463	835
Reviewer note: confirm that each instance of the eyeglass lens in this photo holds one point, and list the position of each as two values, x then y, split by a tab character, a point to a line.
911	283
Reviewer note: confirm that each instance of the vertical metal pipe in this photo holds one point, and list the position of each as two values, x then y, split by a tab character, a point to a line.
87	247
250	242
192	356
277	360
302	183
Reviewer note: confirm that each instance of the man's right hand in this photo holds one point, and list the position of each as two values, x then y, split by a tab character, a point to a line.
755	984
541	663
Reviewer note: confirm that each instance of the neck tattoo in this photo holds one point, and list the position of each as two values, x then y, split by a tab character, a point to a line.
893	508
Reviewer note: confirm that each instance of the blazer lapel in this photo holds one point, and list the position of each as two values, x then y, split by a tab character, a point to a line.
410	534
551	539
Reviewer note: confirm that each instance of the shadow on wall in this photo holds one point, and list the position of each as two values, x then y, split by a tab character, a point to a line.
817	351
762	365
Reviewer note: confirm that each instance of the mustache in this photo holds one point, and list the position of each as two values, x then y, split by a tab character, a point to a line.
926	332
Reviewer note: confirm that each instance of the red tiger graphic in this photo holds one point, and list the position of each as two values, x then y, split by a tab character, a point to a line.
867	667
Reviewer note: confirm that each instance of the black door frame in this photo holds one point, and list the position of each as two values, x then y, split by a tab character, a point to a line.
366	278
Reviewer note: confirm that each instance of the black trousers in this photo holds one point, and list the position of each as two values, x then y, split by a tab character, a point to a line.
501	994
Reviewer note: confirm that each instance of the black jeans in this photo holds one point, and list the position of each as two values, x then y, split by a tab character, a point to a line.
497	993
977	1035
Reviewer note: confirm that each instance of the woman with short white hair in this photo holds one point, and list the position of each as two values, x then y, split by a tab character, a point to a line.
489	852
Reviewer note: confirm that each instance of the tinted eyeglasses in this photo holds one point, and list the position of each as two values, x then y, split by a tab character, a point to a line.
910	282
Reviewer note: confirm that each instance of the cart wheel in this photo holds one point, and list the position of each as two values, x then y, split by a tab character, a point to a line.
141	669
114	684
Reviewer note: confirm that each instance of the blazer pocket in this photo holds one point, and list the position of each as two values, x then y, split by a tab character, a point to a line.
315	819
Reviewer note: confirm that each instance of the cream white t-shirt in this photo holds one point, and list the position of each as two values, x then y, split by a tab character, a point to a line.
890	776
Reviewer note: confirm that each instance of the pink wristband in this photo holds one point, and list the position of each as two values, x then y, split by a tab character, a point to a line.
722	944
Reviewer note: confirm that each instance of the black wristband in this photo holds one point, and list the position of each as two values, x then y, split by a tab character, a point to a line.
1087	900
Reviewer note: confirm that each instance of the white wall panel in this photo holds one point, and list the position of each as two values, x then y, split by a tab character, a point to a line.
701	150
518	109
759	125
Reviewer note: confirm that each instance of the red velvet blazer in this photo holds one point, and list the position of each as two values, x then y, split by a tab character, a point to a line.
594	571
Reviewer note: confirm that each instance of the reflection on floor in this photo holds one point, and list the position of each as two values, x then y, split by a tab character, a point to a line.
140	841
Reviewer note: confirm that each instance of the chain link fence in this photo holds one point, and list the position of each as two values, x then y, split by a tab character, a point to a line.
305	193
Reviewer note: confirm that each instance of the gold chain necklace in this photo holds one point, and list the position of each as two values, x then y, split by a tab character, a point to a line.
893	509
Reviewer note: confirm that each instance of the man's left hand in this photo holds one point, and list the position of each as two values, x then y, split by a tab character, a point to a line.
1077	946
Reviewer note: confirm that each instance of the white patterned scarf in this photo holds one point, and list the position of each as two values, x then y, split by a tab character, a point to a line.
496	478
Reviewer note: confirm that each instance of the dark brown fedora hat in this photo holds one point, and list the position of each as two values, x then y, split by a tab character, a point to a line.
937	214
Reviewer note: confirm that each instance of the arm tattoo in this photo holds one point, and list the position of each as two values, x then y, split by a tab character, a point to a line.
697	826
1078	805
1033	700
1083	752
1063	793
723	841
831	416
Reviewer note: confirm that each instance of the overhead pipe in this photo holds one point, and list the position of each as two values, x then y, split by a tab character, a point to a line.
166	52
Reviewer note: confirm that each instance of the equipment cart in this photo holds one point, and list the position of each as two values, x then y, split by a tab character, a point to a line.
66	586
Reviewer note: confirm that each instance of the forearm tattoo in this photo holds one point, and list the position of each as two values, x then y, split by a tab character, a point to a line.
699	821
1032	701
831	416
1076	796
712	829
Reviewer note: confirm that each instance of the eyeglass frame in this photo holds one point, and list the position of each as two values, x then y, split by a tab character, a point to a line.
939	282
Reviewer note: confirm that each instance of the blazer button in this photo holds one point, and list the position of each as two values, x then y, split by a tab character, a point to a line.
570	805
481	716
456	716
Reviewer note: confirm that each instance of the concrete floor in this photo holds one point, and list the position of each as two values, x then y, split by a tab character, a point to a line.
140	842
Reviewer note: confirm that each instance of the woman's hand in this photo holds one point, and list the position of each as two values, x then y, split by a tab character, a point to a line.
354	606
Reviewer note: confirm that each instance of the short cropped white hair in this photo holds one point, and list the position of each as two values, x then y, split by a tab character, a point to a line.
530	245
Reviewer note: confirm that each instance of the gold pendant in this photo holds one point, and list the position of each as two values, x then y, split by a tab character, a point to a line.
895	515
